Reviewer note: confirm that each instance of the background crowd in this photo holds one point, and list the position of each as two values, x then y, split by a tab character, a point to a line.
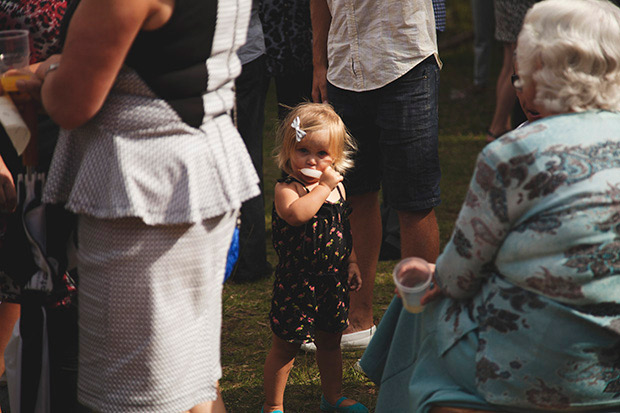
161	223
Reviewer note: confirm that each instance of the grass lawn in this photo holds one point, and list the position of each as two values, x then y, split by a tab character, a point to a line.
246	336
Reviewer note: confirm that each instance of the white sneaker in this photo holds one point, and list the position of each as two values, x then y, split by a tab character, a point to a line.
308	347
358	340
358	367
349	342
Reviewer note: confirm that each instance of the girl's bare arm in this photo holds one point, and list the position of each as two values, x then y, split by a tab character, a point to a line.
296	209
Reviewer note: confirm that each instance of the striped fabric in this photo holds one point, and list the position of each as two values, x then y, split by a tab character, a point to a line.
365	52
439	7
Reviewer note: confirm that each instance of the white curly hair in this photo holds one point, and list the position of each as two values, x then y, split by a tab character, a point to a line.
570	49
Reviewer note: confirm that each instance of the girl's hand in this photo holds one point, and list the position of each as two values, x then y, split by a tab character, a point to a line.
330	178
355	277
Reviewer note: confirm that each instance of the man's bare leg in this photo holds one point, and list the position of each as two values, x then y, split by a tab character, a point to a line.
366	228
419	234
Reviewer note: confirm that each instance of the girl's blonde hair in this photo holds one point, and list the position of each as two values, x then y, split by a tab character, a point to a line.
314	117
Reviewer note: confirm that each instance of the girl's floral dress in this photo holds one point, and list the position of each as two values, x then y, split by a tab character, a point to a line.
311	279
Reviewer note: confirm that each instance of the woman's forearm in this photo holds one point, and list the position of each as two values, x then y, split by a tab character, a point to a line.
98	39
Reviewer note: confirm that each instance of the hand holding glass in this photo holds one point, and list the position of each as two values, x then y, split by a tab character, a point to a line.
412	277
15	54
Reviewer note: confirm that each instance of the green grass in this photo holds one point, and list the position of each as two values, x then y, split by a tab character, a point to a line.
246	336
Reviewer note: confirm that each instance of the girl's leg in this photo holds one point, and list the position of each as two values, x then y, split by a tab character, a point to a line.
329	359
277	367
216	406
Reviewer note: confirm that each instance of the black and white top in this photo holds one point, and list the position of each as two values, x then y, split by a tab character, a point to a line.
163	146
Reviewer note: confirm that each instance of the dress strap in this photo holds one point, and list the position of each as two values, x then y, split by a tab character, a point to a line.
339	192
290	179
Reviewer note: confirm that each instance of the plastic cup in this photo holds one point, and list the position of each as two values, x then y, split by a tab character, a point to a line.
14	49
14	54
412	277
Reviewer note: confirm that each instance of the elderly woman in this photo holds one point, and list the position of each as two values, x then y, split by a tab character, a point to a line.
152	164
526	313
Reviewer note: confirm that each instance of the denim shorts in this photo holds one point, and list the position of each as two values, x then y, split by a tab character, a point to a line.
396	129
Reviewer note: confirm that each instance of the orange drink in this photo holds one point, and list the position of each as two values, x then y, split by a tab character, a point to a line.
9	83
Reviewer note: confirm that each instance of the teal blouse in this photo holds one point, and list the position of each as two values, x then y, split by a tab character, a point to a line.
534	266
532	274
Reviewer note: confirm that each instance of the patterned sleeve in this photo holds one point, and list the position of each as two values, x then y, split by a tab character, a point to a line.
480	229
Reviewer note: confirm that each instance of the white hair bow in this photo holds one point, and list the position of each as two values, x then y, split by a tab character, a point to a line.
299	134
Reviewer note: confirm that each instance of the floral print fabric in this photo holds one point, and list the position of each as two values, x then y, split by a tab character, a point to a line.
41	17
288	35
534	266
311	289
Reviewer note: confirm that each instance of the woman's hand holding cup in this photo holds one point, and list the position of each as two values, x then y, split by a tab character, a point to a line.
412	277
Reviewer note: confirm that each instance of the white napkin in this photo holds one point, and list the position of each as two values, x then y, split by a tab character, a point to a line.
13	124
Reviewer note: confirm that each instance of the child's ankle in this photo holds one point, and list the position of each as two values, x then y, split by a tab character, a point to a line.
268	408
333	400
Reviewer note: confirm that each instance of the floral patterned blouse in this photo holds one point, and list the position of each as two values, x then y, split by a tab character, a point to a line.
534	265
41	17
288	35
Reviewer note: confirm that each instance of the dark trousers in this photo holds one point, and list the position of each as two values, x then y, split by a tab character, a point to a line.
293	88
62	337
63	347
251	87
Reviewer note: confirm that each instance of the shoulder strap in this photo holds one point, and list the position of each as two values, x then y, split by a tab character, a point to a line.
290	179
339	192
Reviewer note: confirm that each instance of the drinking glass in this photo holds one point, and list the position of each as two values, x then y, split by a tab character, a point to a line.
412	277
14	54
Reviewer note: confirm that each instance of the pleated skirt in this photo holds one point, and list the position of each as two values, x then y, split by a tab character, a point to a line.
150	313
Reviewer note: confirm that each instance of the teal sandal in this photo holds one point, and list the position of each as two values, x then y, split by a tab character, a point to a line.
275	411
354	408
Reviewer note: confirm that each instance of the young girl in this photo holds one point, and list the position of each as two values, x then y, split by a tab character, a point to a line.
316	268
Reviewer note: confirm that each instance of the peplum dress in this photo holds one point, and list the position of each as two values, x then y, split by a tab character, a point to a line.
156	178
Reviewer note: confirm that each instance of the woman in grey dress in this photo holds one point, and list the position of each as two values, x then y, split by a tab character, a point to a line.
151	162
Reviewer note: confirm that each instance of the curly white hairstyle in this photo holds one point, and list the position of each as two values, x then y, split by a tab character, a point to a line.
571	50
